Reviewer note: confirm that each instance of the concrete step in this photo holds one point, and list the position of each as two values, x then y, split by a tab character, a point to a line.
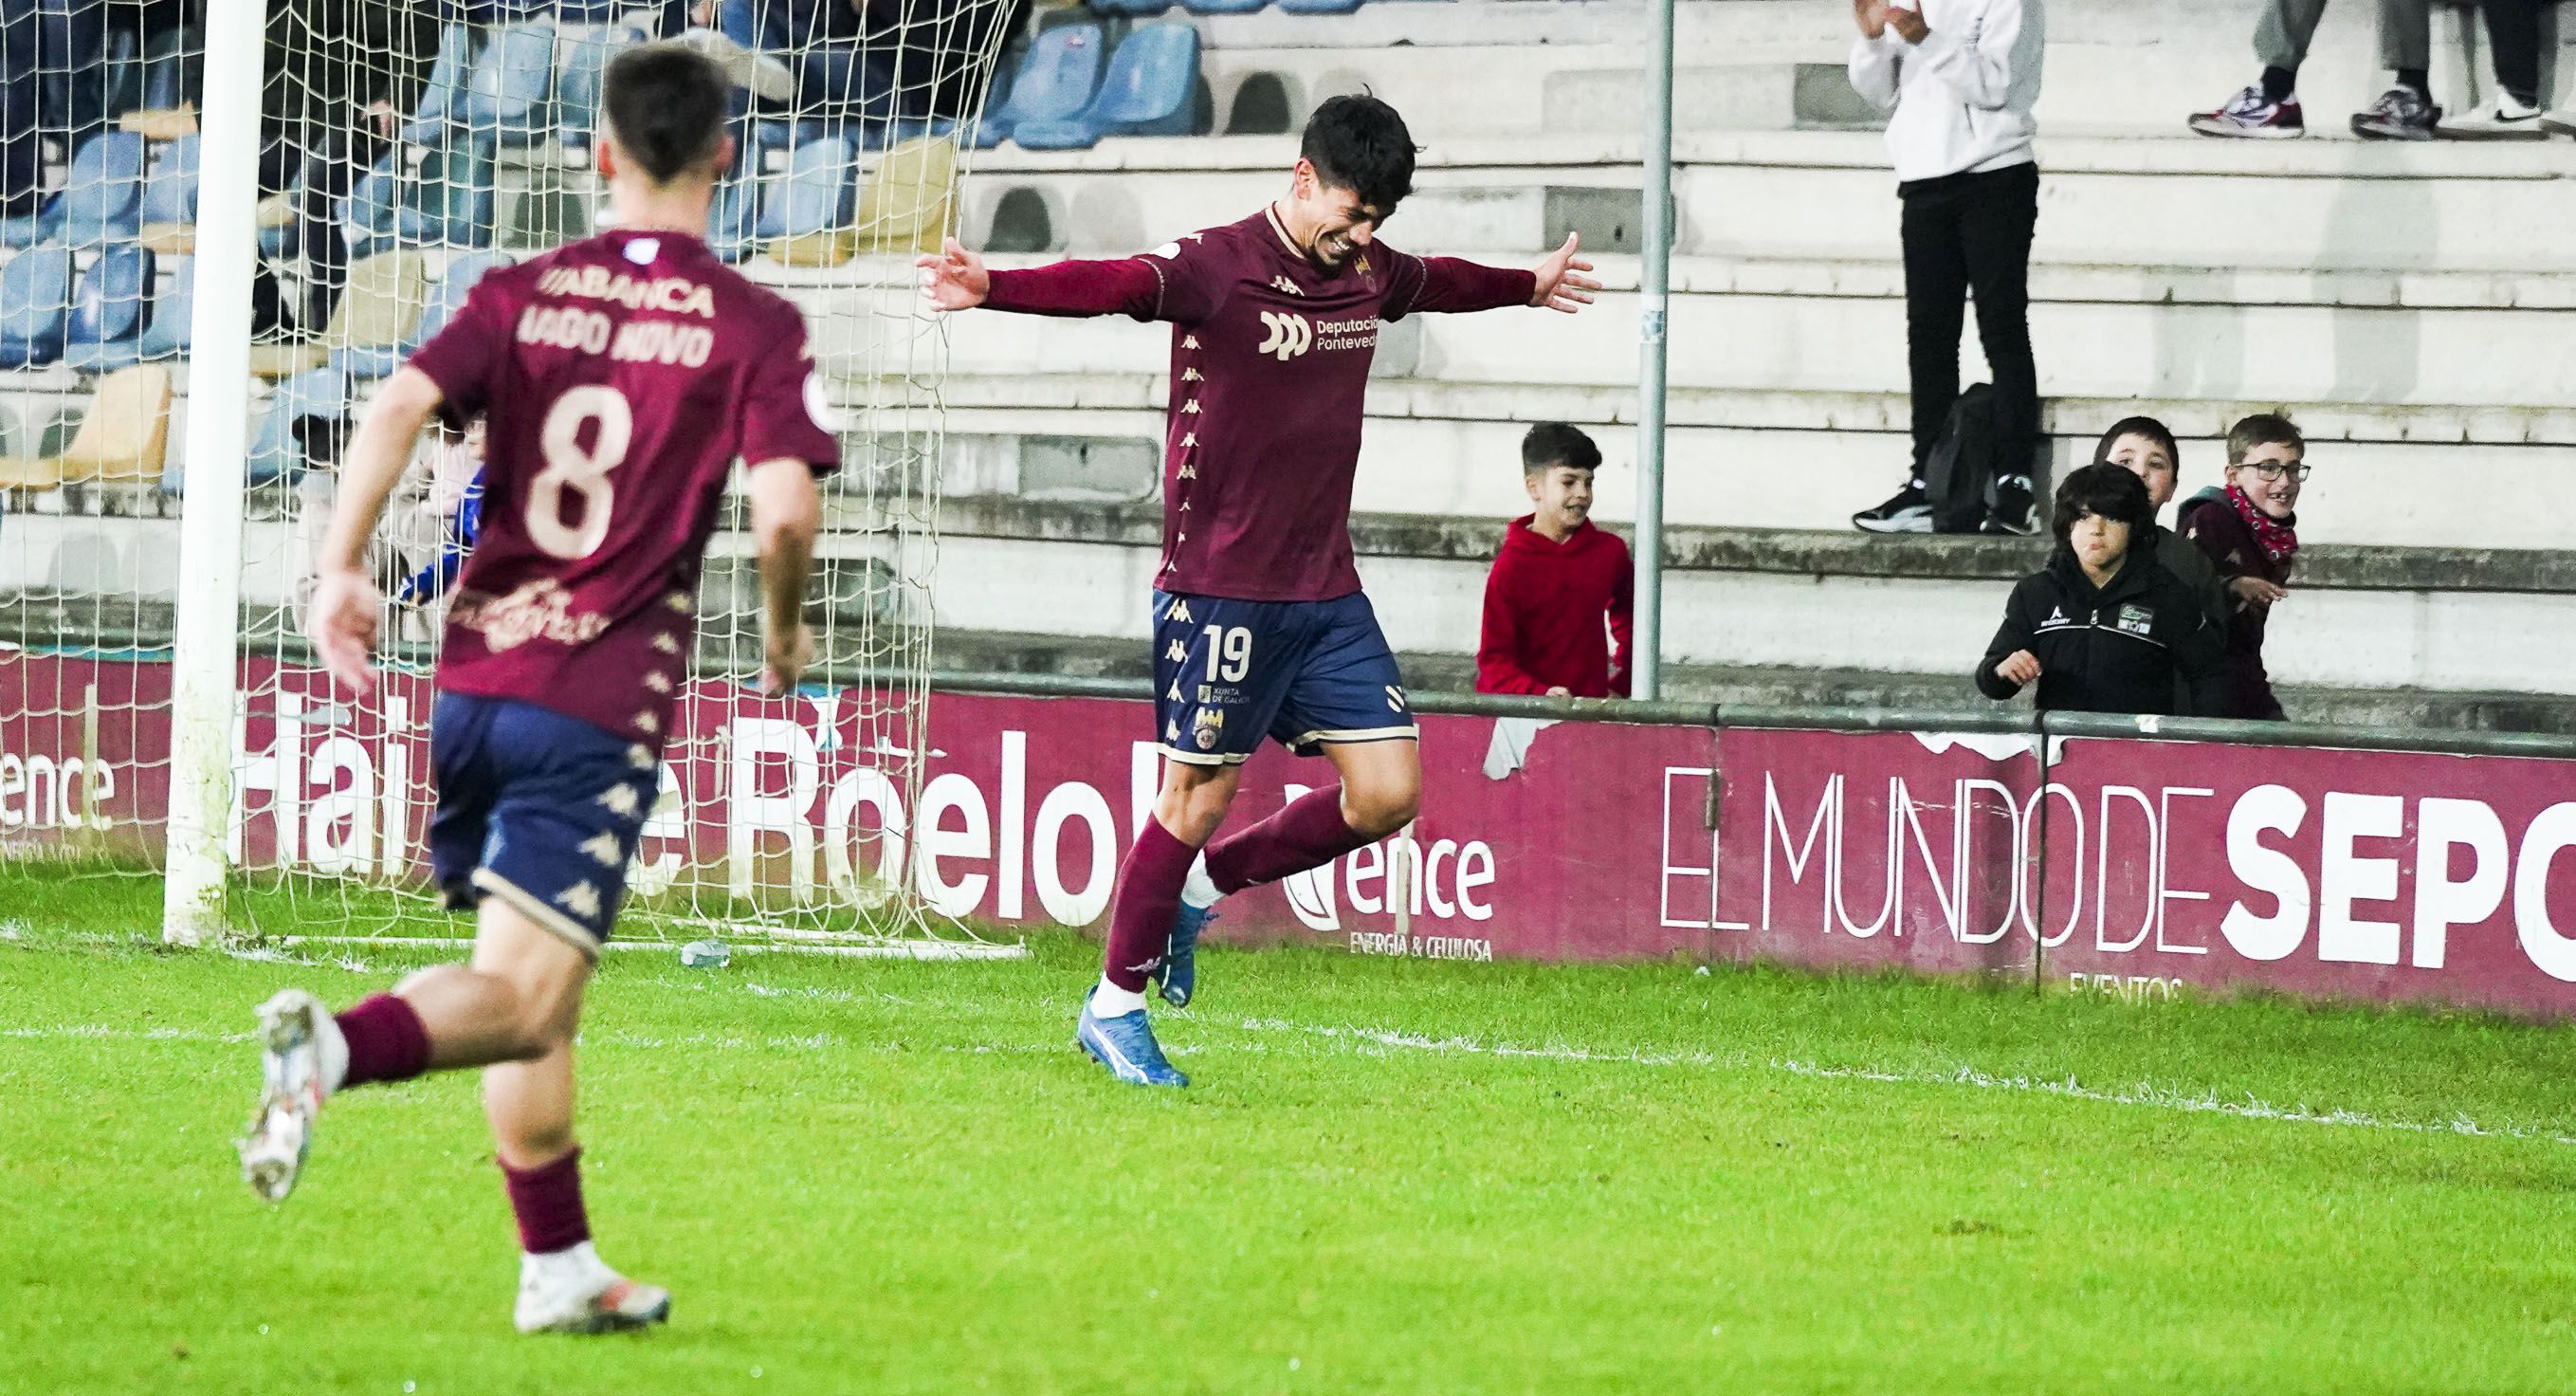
2367	619
2100	331
1806	460
2167	201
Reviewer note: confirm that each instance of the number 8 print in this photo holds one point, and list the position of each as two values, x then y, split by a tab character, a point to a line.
583	472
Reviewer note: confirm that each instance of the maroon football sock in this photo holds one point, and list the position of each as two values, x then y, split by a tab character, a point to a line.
1149	897
547	1202
1307	834
387	1040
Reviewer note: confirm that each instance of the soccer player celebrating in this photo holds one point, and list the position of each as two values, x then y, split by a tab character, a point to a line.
621	376
1259	624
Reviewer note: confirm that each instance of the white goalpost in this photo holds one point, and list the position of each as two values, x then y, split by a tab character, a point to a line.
291	201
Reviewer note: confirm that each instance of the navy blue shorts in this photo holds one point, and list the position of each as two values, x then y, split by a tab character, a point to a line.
538	809
1309	673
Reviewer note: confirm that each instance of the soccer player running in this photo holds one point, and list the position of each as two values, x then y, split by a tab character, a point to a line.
1259	625
622	376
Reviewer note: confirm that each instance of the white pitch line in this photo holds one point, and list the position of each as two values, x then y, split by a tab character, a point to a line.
1379	1041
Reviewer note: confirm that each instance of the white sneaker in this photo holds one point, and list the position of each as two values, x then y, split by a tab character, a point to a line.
2503	119
294	1078
575	1292
756	72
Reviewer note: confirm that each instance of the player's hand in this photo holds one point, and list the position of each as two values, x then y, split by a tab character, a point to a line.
1563	282
1908	23
2018	668
954	279
790	655
1560	691
342	623
1871	15
2254	591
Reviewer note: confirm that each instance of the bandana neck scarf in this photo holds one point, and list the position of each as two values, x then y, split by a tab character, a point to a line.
2279	537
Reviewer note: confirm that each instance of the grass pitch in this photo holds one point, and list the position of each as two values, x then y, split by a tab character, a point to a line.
1398	1177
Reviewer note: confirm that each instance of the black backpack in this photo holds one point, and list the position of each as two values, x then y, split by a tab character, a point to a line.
1960	477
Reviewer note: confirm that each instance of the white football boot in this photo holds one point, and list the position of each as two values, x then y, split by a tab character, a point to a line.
301	1052
574	1291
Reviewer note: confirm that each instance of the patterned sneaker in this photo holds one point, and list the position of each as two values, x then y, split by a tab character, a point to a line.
2249	115
584	1297
2503	119
1178	977
2400	114
1125	1044
1909	510
2016	509
291	1028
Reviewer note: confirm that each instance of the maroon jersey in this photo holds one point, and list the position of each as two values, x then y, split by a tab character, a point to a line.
1270	363
622	375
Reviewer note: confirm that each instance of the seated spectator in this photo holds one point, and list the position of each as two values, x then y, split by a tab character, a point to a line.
2270	108
1557	602
2249	532
454	509
2146	449
2103	628
2513	42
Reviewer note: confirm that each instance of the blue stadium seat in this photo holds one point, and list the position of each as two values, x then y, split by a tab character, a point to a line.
170	191
108	315
323	392
1151	89
1054	83
1319	7
1222	7
815	195
99	202
443	100
370	362
1131	8
507	96
35	306
166	336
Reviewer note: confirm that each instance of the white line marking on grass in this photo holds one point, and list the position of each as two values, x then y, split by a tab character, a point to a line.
2148	1096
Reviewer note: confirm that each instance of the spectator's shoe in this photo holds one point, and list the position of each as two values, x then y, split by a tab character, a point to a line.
760	74
2400	114
2016	509
1125	1044
1908	510
2503	119
2249	115
2559	123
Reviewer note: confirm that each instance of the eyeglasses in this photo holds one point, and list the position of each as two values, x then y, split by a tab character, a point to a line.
2270	470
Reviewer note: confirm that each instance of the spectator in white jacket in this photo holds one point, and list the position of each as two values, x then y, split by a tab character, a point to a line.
1961	77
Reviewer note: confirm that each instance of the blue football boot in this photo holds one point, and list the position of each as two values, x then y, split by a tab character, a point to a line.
1125	1044
1178	977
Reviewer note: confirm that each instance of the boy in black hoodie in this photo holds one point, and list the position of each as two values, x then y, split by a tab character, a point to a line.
2104	627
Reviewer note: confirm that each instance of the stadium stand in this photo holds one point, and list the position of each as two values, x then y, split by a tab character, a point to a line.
109	311
2404	302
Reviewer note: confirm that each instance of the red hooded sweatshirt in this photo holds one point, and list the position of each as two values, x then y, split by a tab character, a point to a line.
1556	614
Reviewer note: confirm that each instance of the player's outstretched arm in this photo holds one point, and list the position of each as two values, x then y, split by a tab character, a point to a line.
955	279
1565	280
346	610
786	514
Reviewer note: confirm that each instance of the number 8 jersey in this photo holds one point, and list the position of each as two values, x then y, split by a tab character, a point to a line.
621	376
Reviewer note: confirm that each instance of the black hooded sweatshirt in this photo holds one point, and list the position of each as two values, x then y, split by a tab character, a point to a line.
2112	649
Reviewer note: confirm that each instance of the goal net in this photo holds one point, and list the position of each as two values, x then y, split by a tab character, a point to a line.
403	149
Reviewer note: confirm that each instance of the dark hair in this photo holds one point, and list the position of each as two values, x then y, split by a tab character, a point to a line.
666	105
2147	427
1551	444
2262	429
322	438
1359	143
2105	491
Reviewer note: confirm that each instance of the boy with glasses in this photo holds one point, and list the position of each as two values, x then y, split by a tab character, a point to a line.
2249	531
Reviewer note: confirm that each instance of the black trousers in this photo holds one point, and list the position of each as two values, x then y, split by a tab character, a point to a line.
1970	234
2513	35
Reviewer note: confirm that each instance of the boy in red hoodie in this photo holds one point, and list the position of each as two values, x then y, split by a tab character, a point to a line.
1557	603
